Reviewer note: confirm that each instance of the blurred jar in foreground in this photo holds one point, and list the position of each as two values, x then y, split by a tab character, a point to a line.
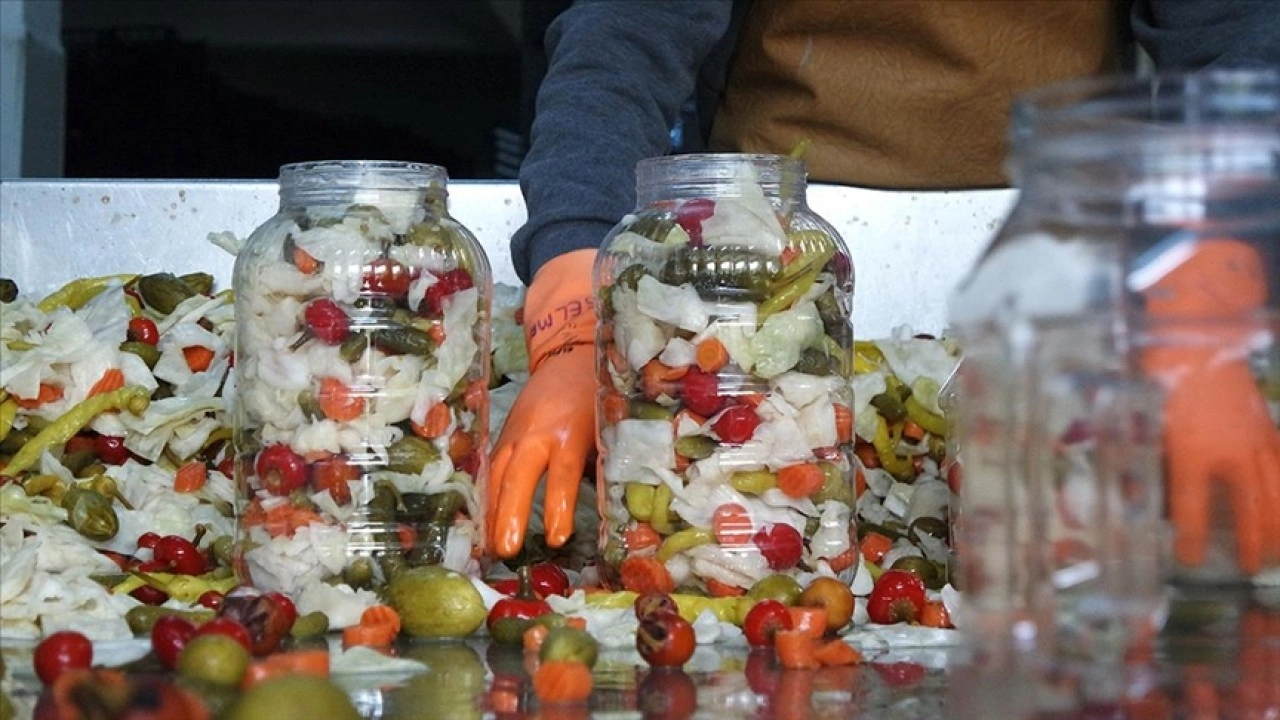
724	356
1141	258
361	380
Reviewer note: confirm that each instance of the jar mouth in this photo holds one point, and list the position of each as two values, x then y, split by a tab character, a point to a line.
371	174
1127	105
722	173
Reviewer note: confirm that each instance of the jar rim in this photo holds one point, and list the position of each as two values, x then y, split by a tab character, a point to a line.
1210	98
782	163
399	174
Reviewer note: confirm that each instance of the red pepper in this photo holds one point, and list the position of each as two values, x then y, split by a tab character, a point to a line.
549	579
524	605
179	554
281	470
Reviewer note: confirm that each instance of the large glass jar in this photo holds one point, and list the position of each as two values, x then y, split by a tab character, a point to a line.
361	427
1119	355
724	356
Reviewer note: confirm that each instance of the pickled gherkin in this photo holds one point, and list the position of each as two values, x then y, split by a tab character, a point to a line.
724	328
721	273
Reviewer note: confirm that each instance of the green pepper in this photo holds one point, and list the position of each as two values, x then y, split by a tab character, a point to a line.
150	354
410	454
644	410
77	293
785	296
163	292
90	514
886	449
135	399
200	282
753	482
695	447
639	499
403	340
684	540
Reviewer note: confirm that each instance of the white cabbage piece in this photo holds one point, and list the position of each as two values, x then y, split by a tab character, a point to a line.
342	604
678	306
507	343
800	389
287	563
915	359
678	353
107	315
832	538
865	387
15	501
67	340
150	432
636	449
746	220
636	334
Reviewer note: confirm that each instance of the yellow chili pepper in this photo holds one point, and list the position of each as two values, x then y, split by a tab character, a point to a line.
684	540
787	295
8	413
921	416
133	398
187	588
659	519
41	484
728	609
753	482
640	501
77	293
886	450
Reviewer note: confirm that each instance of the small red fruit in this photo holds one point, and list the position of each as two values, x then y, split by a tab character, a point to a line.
327	321
781	545
143	330
60	652
737	424
898	596
169	636
665	640
280	470
763	621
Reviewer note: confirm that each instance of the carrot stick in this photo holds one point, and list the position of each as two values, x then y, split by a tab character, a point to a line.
112	379
198	357
844	422
305	263
874	546
795	649
809	620
370	635
435	423
711	355
337	401
801	480
645	574
190	477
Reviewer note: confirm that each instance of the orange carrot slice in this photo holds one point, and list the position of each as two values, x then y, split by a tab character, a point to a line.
645	574
811	621
796	650
801	480
711	355
561	681
198	357
111	380
190	477
837	652
337	401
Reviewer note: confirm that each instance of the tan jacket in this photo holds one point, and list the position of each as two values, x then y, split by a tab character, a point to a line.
903	93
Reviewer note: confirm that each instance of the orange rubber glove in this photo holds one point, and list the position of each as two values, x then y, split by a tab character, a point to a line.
551	428
1218	432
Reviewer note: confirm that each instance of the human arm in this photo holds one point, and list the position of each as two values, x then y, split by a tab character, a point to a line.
618	73
1195	34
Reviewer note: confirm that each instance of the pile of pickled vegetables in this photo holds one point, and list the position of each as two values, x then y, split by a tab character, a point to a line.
115	430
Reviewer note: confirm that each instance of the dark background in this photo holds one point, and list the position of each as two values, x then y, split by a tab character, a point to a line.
235	88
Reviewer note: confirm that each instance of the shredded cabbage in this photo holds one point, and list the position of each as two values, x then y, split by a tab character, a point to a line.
776	346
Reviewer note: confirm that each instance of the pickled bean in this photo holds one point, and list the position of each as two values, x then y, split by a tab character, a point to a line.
684	540
639	499
753	482
133	398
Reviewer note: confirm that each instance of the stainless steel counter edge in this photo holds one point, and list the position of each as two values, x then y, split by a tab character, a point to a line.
910	249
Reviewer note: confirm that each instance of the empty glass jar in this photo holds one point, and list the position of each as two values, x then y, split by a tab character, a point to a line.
361	380
724	362
1120	357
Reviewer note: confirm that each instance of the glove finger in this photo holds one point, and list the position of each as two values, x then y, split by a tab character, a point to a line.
564	477
1188	495
519	484
493	492
1248	511
1268	477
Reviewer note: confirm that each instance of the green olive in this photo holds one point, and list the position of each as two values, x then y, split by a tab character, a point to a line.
783	588
359	573
150	354
310	625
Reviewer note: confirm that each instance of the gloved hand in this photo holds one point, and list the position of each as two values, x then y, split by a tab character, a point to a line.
1218	432
551	427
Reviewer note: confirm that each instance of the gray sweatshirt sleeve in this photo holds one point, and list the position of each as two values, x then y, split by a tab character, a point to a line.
1195	34
617	75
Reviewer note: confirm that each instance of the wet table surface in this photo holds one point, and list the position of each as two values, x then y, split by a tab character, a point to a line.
1218	657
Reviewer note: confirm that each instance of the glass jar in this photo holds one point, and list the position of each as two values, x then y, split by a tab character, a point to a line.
724	354
1119	342
361	428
